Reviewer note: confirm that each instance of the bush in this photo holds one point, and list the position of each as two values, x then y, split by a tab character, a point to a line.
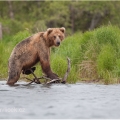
100	48
105	62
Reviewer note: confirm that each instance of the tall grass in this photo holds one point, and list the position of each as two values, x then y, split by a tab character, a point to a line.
102	47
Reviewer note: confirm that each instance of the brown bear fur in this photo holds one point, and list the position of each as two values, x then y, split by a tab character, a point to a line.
33	50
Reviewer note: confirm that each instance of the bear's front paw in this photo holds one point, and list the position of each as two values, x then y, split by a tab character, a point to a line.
53	76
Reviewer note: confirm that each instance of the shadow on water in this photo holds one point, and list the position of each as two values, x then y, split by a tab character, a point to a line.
59	101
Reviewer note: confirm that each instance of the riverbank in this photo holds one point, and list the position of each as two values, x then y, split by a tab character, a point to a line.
95	55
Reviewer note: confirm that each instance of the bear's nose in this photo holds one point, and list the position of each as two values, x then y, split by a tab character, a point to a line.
58	43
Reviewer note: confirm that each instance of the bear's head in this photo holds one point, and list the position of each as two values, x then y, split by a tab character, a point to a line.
54	36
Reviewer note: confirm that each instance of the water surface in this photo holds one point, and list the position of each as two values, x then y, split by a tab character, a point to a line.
59	101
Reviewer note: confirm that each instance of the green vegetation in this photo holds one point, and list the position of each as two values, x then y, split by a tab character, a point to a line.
101	54
95	55
74	15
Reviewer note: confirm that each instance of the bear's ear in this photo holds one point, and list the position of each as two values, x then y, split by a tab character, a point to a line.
62	29
49	30
41	34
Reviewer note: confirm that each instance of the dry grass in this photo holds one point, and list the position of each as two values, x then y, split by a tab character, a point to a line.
88	69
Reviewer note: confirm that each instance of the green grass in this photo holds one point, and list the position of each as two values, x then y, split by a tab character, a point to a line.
94	55
102	47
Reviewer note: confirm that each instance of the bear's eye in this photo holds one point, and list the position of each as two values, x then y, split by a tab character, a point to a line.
54	37
59	36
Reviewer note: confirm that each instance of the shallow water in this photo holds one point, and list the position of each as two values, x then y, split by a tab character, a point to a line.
59	101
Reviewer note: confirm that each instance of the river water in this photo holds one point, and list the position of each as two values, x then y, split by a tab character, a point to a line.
60	101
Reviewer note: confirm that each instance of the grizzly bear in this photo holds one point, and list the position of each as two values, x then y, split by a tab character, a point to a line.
32	50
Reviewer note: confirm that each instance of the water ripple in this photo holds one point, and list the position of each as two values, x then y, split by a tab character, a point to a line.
59	101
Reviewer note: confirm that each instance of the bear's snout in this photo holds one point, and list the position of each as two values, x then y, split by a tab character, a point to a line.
58	43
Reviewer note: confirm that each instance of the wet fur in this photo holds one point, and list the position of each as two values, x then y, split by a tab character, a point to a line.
31	51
